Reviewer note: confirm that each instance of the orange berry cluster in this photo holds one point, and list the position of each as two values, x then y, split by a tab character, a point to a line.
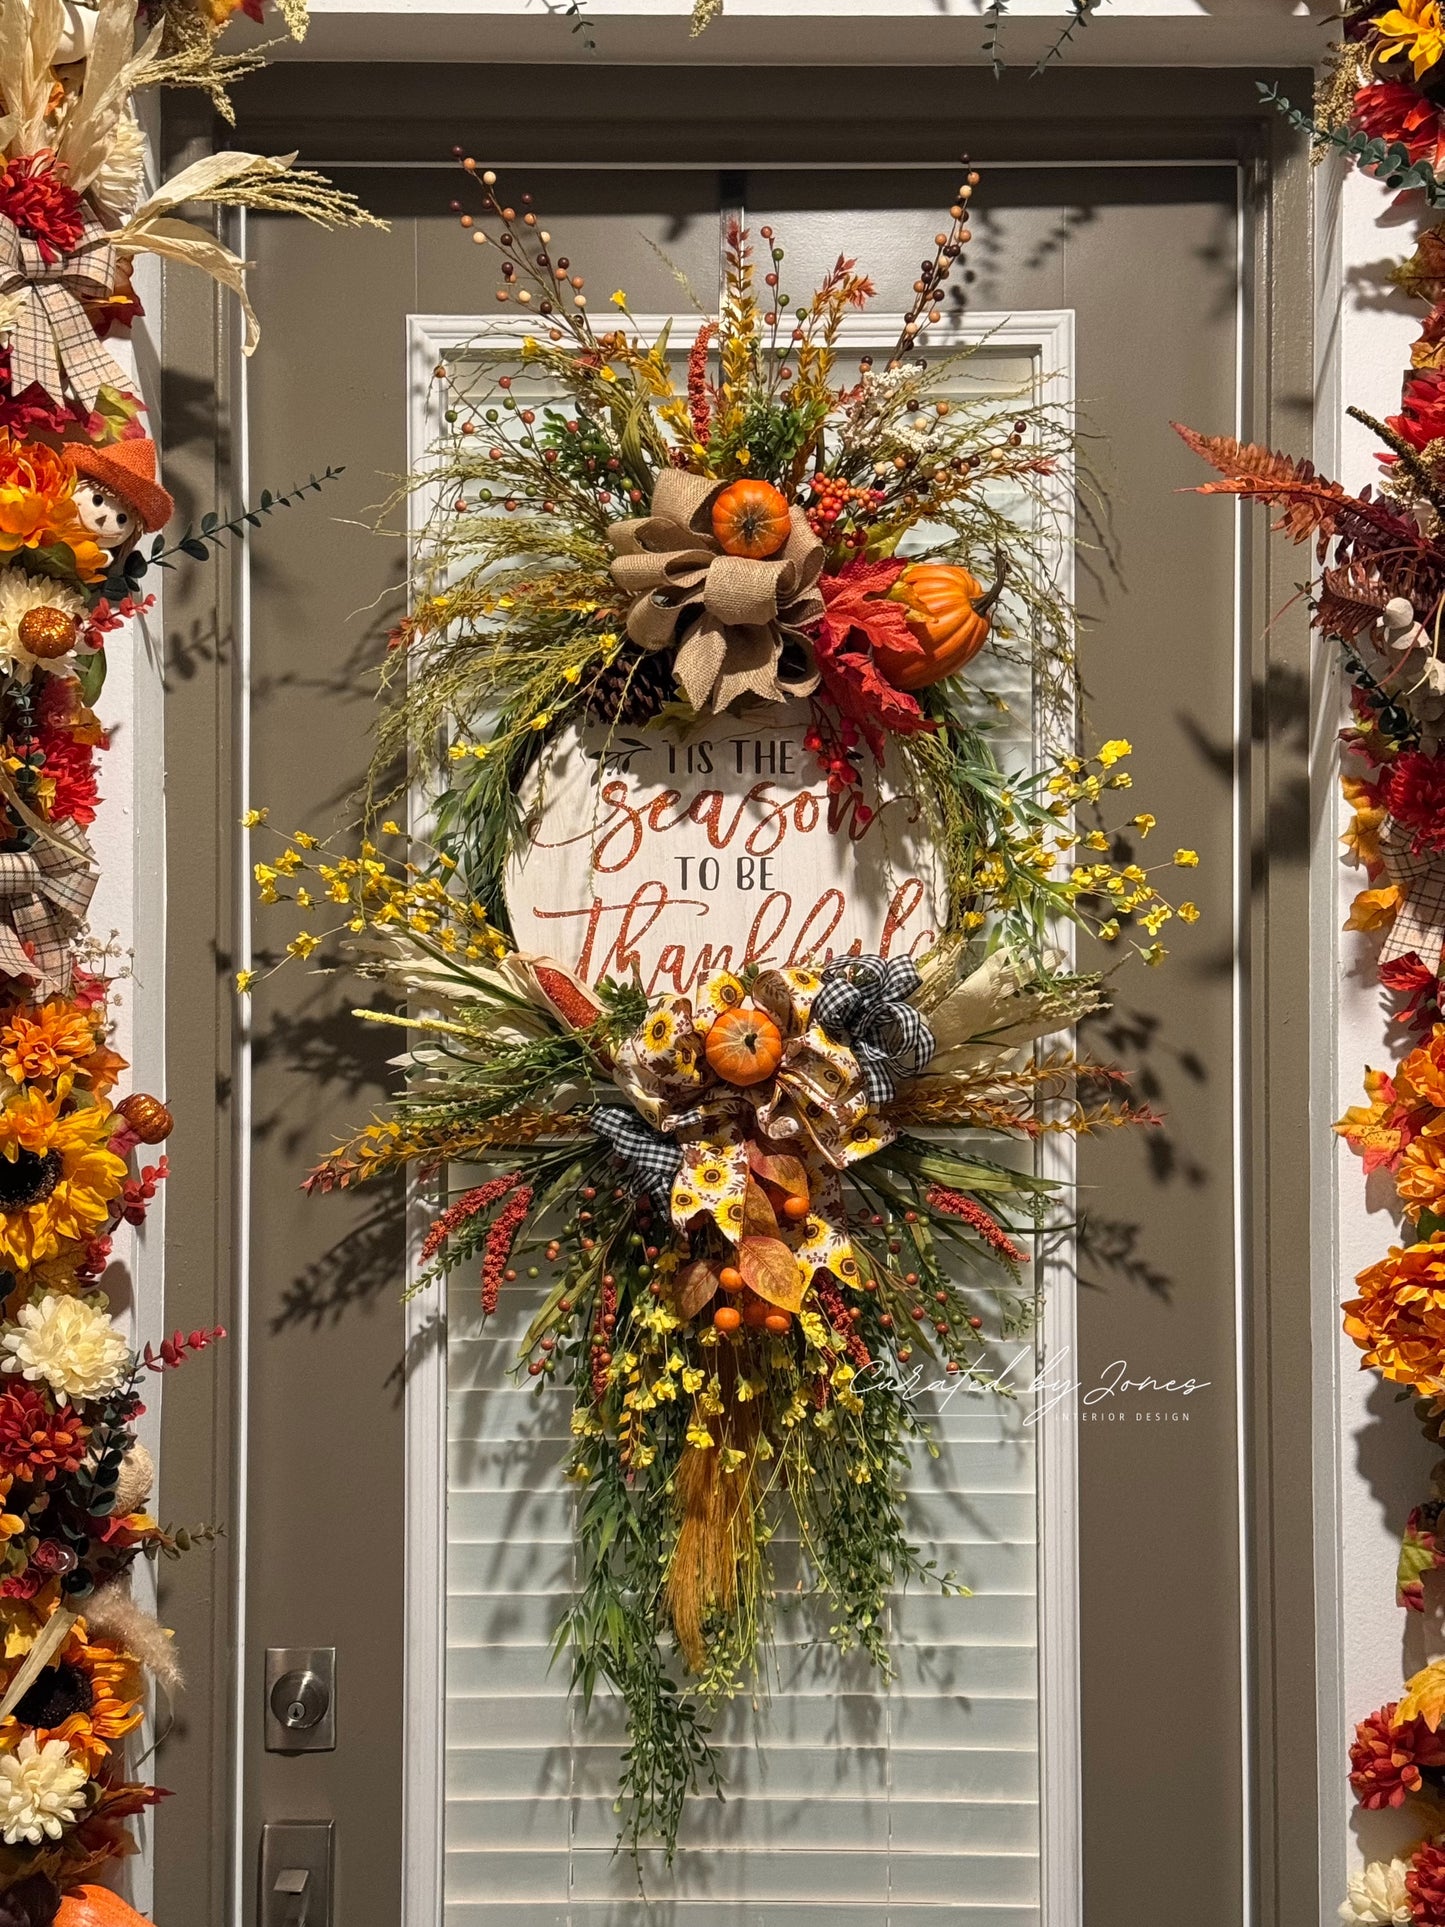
837	501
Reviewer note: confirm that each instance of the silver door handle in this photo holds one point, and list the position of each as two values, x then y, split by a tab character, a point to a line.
298	1874
294	1880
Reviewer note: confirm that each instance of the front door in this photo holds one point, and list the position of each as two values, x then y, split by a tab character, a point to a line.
1079	1741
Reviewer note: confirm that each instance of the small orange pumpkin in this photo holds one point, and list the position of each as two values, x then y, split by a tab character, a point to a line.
727	1318
97	1907
751	518
744	1046
950	612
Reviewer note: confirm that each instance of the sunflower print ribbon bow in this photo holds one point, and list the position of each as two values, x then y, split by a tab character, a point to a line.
731	617
815	1108
864	1000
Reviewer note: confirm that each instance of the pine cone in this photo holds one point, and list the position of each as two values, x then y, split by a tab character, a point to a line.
1425	1884
634	689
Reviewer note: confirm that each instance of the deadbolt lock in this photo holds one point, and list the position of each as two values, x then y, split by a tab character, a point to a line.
300	1699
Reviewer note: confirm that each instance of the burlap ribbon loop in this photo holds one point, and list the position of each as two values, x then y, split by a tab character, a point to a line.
45	893
730	617
52	340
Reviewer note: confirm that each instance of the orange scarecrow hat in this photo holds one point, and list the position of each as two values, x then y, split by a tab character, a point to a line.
128	469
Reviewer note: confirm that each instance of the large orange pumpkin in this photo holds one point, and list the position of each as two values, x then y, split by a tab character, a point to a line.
96	1907
949	612
751	518
744	1046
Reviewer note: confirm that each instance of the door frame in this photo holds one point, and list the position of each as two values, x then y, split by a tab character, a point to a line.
1048	335
402	117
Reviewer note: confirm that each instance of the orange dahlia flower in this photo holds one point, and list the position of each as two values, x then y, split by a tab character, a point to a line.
38	1046
1420	1176
1398	1320
36	511
1421	1078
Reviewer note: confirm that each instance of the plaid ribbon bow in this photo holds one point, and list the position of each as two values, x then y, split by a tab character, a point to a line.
1419	923
44	893
864	1001
52	339
653	1158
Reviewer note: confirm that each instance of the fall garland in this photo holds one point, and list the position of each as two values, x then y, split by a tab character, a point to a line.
82	515
748	1183
1379	600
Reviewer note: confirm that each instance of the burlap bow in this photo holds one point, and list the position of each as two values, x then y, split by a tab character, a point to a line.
44	894
730	617
52	340
1419	923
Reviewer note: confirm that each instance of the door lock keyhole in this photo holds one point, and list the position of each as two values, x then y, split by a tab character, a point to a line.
299	1700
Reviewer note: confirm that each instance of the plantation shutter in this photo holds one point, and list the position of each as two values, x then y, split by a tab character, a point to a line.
843	1796
846	1797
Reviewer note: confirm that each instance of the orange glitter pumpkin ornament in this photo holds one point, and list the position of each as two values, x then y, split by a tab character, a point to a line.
950	613
751	518
744	1046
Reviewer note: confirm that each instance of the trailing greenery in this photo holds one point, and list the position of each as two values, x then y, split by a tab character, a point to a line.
201	542
1388	161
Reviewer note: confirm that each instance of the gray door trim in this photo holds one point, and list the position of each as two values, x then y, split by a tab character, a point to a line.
378	119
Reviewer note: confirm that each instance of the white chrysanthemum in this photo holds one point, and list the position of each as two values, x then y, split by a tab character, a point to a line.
42	1791
1378	1894
75	1349
117	187
19	594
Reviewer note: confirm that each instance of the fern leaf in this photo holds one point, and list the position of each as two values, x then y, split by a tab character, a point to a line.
1350	599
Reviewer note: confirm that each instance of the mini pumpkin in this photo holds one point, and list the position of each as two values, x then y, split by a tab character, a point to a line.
751	518
147	1116
950	613
96	1907
744	1046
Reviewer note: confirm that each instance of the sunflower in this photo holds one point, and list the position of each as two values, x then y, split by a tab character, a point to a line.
40	1046
1415	31
57	1176
20	596
90	1695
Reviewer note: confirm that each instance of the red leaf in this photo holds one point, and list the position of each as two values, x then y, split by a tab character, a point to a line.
857	620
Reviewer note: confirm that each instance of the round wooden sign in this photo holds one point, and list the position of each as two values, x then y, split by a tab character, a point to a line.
662	855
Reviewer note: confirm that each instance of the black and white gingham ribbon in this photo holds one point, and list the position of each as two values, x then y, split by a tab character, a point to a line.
863	1002
653	1158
